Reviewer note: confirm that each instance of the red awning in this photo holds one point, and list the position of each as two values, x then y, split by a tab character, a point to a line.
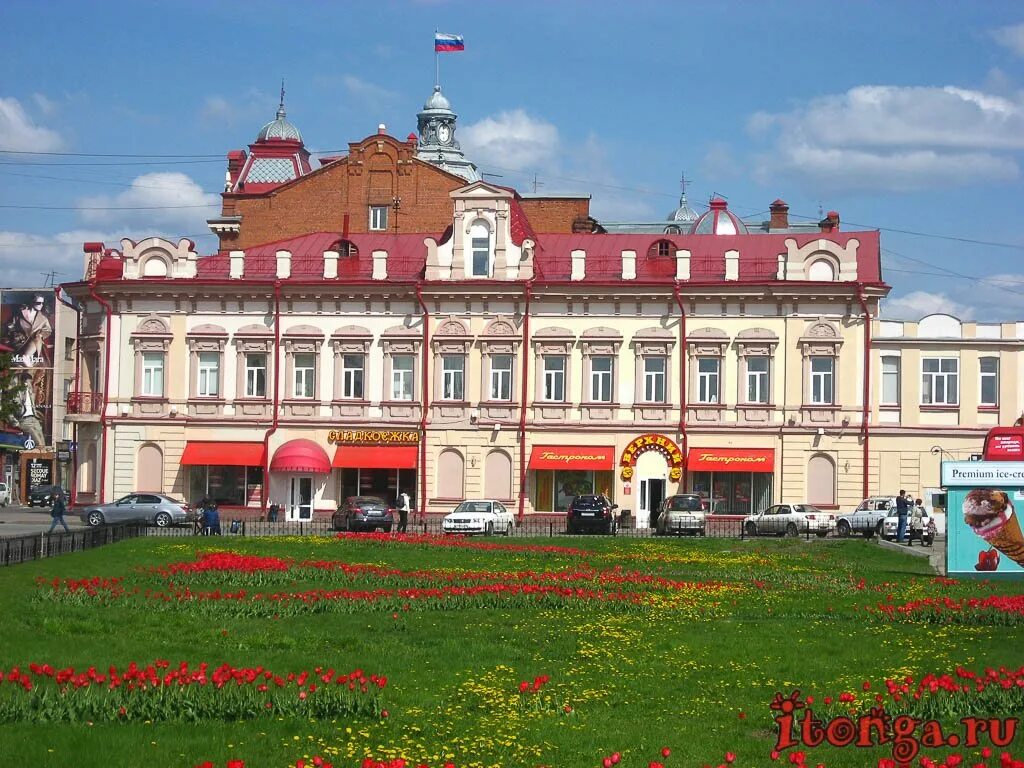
223	454
376	456
731	460
301	456
600	458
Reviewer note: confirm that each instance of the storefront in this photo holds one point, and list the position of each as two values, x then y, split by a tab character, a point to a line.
299	472
739	479
376	463
557	473
228	473
653	464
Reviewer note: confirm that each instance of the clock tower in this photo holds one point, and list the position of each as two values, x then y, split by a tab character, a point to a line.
437	145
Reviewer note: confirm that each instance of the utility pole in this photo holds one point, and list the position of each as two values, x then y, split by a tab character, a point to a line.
536	183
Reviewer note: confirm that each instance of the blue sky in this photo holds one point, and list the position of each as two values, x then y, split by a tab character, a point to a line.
901	116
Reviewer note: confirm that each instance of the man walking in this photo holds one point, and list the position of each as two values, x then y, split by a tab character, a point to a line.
902	510
403	511
57	512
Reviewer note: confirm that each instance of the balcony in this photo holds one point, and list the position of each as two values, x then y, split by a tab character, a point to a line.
84	406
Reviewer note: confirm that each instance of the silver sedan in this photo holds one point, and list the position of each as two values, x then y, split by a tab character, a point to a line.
153	508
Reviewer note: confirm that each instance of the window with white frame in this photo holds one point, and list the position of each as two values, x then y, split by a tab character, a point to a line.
890	380
480	248
554	378
208	382
940	381
823	371
255	374
757	379
402	377
601	379
501	377
708	379
352	377
654	379
378	218
453	377
305	374
989	367
153	374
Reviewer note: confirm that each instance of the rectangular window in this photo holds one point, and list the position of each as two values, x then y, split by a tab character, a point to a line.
255	375
654	379
305	374
453	377
208	382
378	218
940	381
601	379
989	380
352	377
69	348
823	380
554	378
481	257
153	374
890	380
501	377
708	370
402	377
757	380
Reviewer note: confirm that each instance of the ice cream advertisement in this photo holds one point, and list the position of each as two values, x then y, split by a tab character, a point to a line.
983	519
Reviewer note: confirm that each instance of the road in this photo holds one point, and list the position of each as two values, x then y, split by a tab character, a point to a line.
18	520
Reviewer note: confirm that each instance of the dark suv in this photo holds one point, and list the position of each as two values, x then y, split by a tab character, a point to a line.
42	495
590	513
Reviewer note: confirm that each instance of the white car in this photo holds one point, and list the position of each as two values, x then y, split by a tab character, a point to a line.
926	534
789	520
482	516
5	495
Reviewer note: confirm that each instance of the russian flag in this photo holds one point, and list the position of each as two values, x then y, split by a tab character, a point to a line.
444	43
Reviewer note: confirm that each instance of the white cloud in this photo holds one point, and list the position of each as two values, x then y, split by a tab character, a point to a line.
19	133
366	91
47	106
156	200
511	141
895	137
917	304
26	259
1011	37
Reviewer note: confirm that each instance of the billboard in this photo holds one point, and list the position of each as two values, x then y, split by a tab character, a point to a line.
26	326
983	528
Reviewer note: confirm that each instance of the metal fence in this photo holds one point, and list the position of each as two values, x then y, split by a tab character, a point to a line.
37	546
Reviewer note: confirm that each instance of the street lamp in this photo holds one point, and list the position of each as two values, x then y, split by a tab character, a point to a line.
942	453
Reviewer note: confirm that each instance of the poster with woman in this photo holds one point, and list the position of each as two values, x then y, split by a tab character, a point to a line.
26	326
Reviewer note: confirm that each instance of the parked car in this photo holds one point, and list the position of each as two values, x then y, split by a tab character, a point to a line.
42	495
5	495
867	518
789	520
683	513
925	534
363	513
479	516
153	508
592	513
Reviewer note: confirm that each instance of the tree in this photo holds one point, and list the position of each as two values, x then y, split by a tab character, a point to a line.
10	390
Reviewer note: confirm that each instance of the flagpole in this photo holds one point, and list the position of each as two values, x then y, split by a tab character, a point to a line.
437	64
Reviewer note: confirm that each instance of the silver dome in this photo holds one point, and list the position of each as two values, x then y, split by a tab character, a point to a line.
437	100
279	129
718	220
684	213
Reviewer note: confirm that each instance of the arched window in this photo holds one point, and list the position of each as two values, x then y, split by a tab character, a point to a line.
821	271
821	481
660	249
498	476
154	266
480	248
450	470
150	469
347	249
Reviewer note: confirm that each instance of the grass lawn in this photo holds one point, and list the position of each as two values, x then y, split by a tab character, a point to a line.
625	647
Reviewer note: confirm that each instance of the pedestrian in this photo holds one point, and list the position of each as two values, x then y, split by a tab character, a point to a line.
57	512
214	519
902	510
403	511
273	512
917	521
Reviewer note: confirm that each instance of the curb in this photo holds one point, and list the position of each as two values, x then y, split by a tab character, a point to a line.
936	553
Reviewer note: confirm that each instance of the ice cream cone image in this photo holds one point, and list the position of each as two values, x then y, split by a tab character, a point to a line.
990	514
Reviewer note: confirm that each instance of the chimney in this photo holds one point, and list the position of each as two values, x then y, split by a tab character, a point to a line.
284	264
830	223
780	215
380	265
236	159
382	129
331	264
579	265
629	265
237	264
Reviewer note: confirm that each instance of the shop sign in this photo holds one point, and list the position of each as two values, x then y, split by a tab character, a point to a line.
973	474
664	445
40	472
731	459
373	437
63	456
1005	447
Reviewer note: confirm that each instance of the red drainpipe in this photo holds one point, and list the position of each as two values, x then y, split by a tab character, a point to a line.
866	416
426	402
277	381
524	389
682	370
77	393
106	393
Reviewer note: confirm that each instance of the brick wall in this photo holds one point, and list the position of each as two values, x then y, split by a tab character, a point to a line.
555	215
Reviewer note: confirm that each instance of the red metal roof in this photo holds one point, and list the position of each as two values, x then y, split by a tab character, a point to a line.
376	456
208	453
301	456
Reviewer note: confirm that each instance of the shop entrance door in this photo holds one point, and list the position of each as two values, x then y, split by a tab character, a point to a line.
300	498
652	493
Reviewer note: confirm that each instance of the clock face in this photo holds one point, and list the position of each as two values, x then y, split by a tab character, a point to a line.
444	133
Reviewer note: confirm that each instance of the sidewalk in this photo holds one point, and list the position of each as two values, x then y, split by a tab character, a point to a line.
19	521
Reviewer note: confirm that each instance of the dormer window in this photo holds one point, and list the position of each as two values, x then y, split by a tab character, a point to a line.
480	248
660	249
347	249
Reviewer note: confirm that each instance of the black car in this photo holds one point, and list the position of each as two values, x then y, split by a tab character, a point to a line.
42	495
363	513
592	514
